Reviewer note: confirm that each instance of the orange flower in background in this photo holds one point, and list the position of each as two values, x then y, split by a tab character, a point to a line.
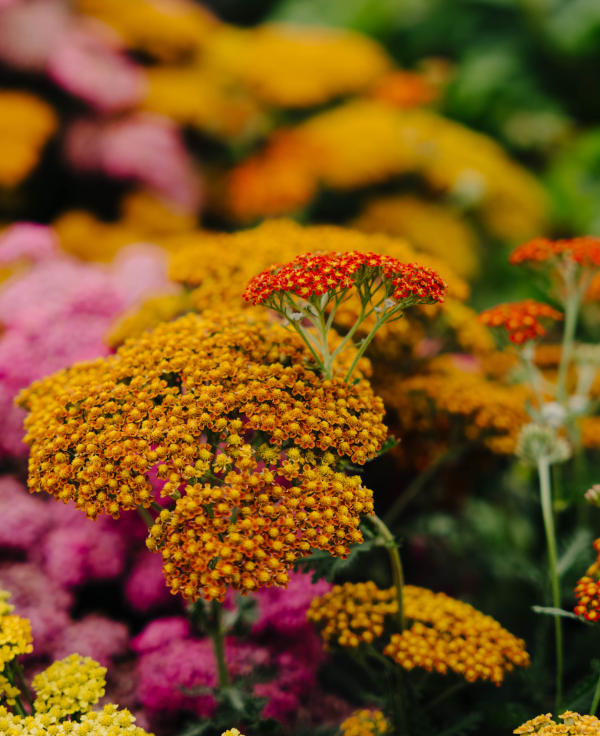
587	590
521	320
404	89
584	250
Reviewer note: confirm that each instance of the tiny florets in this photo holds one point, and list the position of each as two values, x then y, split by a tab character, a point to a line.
15	633
521	320
584	250
310	275
365	722
587	590
573	724
70	685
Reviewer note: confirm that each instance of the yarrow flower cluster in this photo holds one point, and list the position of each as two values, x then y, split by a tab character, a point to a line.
521	320
572	724
587	590
365	722
445	634
68	686
584	250
312	287
247	439
110	721
15	633
352	613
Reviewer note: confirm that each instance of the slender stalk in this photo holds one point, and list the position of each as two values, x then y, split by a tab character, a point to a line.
146	516
364	345
22	684
595	699
447	693
572	303
396	565
11	677
548	516
217	635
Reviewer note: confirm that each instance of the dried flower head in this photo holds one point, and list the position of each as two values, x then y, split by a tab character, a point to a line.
592	495
573	724
521	320
587	590
541	443
365	722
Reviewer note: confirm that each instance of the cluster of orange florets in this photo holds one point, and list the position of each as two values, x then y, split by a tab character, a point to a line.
445	634
365	722
246	437
521	320
584	250
587	590
311	275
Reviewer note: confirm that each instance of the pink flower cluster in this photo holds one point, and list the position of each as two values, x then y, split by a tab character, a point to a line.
57	311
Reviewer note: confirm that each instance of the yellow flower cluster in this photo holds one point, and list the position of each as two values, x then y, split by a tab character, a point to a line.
166	30
110	721
352	613
70	685
429	226
8	692
26	124
15	632
365	723
297	66
451	635
572	724
445	634
232	732
366	141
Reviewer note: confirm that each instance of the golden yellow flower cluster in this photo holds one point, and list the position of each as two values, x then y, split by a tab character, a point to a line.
167	31
227	411
366	141
352	613
98	428
297	66
26	124
232	732
365	722
8	692
248	532
70	685
461	396
15	632
427	225
445	634
110	721
572	724
451	635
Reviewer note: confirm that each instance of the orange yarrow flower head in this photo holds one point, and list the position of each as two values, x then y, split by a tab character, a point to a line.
310	288
249	440
521	320
587	590
573	724
443	635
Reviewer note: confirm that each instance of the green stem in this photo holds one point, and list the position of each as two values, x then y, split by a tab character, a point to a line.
571	313
217	635
447	693
595	699
364	345
146	516
396	565
22	684
11	677
548	516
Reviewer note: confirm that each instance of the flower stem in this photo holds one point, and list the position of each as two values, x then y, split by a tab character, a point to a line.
217	635
548	516
146	516
571	313
396	565
595	699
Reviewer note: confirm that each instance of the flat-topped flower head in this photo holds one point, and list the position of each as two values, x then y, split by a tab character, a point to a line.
573	724
365	722
587	590
191	401
110	721
522	321
68	686
315	274
443	635
308	291
583	250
